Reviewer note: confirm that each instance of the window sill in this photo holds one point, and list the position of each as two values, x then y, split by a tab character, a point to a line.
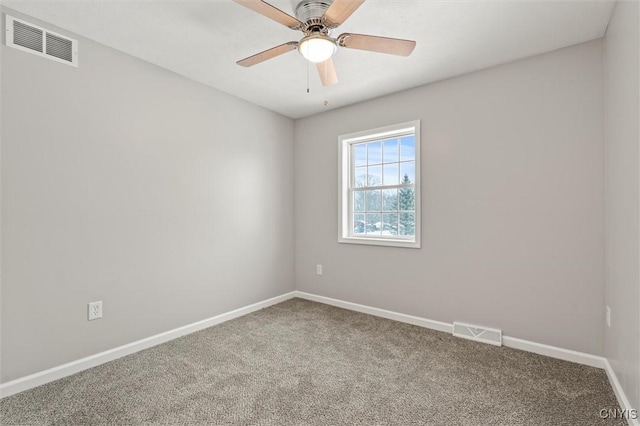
385	242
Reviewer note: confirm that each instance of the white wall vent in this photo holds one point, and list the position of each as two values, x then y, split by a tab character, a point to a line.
37	40
478	333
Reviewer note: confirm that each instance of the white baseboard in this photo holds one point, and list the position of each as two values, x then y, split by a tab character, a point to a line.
622	397
46	376
554	352
409	319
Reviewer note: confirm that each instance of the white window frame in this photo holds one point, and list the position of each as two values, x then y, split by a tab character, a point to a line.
346	183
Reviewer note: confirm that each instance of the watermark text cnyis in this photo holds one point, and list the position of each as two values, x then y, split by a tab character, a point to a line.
618	413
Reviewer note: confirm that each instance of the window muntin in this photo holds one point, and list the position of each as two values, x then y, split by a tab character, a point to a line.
380	186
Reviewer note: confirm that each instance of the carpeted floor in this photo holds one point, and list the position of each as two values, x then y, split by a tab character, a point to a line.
305	363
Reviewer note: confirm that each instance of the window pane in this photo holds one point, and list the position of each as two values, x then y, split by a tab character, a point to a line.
358	223
407	148
360	177
407	224
373	223
374	201
374	176
389	224
390	200
408	172
406	199
358	201
375	152
390	151
390	174
359	154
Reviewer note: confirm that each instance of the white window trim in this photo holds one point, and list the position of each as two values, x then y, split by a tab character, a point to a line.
344	178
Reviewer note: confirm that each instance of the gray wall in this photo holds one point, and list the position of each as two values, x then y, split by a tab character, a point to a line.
169	201
622	74
512	202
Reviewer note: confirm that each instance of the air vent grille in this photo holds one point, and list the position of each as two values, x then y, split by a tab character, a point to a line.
59	47
40	41
478	333
27	36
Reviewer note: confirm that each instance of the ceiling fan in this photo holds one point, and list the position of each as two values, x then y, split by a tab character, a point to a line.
316	19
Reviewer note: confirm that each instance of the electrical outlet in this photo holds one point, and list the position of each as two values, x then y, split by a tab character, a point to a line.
95	310
608	316
319	269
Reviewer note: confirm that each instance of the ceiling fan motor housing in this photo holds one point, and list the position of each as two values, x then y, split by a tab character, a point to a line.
310	12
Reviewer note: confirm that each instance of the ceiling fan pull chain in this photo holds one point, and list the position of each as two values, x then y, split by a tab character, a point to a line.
307	76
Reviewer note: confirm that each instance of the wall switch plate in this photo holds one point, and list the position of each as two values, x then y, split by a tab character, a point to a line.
608	310
95	310
319	269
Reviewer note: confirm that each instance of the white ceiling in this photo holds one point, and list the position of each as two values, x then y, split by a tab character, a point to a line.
203	39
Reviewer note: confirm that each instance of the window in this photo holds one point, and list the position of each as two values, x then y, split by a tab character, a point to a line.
380	186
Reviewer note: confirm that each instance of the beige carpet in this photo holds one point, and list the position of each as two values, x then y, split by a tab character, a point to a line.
305	363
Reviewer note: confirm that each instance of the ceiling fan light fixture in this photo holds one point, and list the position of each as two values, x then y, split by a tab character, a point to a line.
317	47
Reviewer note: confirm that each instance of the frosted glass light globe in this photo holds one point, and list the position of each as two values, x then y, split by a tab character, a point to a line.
317	47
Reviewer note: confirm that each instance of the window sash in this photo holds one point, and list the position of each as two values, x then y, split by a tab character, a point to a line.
351	212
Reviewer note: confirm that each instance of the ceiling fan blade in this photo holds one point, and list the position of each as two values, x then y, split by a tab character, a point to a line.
340	10
272	12
268	54
327	72
392	46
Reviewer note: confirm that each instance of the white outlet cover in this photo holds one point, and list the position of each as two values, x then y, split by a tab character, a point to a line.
608	316
94	310
319	269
